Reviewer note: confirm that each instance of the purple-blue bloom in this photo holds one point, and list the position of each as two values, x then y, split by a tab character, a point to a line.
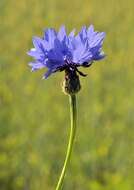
58	51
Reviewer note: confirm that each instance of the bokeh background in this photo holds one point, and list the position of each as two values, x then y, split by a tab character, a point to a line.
34	113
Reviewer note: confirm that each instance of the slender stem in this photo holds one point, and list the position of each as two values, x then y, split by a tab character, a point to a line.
73	115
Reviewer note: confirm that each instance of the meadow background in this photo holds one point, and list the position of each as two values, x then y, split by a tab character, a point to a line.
34	113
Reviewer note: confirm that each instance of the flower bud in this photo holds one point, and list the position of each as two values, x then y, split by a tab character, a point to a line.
71	83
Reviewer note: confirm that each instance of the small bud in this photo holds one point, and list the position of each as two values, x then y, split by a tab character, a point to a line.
71	83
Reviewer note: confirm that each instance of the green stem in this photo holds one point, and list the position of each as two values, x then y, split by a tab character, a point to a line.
73	115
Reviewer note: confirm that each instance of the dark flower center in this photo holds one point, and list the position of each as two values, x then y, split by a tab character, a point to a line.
73	67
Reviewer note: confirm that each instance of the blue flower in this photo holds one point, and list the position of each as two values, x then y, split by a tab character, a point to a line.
58	51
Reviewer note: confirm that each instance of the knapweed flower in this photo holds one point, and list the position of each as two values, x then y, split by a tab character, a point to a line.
58	51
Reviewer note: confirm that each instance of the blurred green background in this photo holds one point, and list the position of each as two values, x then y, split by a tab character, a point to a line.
34	113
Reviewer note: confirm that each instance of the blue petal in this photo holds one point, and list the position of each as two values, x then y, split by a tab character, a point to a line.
56	54
97	39
90	30
50	33
49	36
99	56
37	55
38	43
62	33
47	74
72	33
83	33
36	65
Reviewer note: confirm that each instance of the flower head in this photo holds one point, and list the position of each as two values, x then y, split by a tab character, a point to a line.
58	51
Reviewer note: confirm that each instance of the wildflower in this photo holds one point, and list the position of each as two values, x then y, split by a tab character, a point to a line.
58	51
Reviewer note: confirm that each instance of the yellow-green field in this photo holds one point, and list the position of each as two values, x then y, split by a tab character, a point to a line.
34	113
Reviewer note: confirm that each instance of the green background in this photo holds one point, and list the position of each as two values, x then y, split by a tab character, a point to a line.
34	113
